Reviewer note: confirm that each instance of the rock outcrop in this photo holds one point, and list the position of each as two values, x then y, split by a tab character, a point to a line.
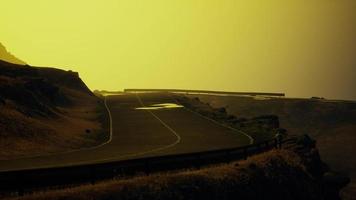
7	56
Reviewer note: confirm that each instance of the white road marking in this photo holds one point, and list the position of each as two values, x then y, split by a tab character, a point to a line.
111	133
142	152
165	125
110	121
216	122
81	149
178	140
160	106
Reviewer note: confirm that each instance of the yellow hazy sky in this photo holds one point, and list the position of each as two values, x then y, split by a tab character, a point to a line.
301	47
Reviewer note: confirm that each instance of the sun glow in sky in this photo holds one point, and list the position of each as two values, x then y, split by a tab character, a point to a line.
301	47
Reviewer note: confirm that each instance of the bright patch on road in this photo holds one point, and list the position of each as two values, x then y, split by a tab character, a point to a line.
160	106
261	98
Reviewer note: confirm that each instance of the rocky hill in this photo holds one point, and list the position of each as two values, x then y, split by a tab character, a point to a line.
46	110
7	56
38	91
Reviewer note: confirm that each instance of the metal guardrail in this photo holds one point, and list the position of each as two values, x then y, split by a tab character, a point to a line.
23	181
207	92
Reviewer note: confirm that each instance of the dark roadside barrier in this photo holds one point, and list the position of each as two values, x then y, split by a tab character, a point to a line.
25	181
207	92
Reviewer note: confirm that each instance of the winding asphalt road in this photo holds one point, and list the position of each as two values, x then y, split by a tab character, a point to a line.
138	130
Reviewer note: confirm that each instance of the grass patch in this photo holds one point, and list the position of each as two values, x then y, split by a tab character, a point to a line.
103	134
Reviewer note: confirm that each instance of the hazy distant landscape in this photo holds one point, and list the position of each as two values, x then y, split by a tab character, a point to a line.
49	111
177	100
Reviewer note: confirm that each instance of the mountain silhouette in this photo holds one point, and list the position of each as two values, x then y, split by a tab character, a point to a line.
7	56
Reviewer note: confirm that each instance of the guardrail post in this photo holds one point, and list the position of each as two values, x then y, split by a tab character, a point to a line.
245	153
147	167
114	172
228	157
198	162
92	176
21	192
259	148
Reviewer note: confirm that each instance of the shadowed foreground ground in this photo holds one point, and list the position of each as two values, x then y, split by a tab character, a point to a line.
272	175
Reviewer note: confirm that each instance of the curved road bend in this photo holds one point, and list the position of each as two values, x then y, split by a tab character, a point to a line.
141	132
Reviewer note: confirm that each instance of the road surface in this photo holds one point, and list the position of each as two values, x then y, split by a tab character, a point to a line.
143	125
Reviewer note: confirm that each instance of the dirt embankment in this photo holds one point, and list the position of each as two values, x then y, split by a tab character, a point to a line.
46	110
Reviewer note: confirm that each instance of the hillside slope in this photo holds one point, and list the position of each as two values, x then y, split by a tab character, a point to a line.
331	123
46	110
7	56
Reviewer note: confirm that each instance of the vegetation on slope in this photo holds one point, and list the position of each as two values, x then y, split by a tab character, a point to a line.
46	110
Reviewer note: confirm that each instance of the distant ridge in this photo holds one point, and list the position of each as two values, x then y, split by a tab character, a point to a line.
206	92
7	56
